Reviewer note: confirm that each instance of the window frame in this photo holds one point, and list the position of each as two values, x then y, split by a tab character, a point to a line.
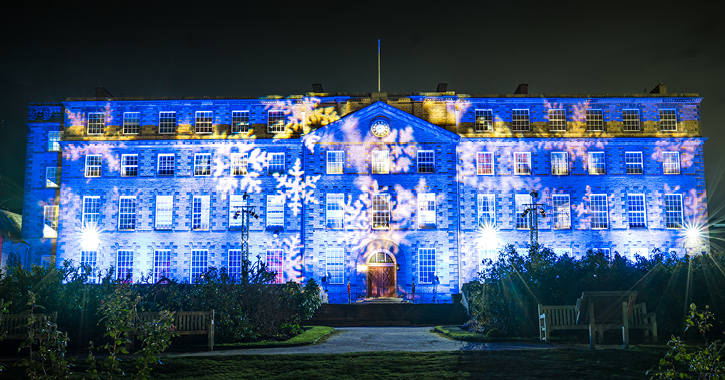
274	164
486	205
239	164
557	123
91	211
240	121
167	122
378	165
96	123
236	204
636	211
124	265
89	257
668	124
633	162
335	162
601	224
54	141
593	165
203	122
483	120
380	217
559	166
162	264
199	264
631	120
427	164
426	266
519	165
520	120
169	165
50	220
126	213
335	211
275	210
594	120
427	216
481	164
93	169
521	222
276	122
675	165
672	214
52	177
561	210
335	265
274	259
200	207
131	123
202	164
163	211
129	167
234	264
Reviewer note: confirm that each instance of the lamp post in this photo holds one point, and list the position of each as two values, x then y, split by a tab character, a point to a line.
533	210
244	212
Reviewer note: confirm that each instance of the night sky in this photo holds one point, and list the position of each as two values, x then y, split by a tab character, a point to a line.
49	52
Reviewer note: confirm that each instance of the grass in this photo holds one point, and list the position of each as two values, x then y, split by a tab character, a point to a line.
311	335
457	333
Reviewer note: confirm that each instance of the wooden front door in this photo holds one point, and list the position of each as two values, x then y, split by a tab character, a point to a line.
381	281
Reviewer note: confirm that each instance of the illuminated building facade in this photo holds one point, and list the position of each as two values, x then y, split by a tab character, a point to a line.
378	190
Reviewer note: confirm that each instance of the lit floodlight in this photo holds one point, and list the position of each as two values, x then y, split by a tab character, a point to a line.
90	238
488	237
693	238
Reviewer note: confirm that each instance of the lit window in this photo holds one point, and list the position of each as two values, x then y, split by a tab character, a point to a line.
522	202
673	210
45	261
562	211
381	162
522	163
605	251
630	120
486	254
484	120
426	210
164	212
335	210
129	165
596	163
599	212
520	120
275	210
200	213
240	121
88	265
54	141
124	265
202	122
93	165
335	161
234	264
634	252
96	123
484	163
563	251
671	162
131	122
595	120
486	210
559	163
52	177
426	265
165	165
240	163
236	210
275	121
91	211
668	120
426	161
275	163
167	122
162	265
50	221
198	264
381	211
335	266
274	264
636	211
127	213
202	164
557	120
633	162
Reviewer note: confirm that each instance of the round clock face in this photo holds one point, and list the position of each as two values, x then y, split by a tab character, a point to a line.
380	128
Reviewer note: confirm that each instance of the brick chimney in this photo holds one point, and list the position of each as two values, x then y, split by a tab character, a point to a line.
659	89
523	88
317	88
442	87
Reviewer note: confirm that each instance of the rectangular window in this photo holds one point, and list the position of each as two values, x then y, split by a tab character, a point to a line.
46	261
559	163
562	211
486	210
633	161
522	163
275	121
484	120
381	211
599	211
335	210
426	161
484	163
166	165
668	120
562	251
275	163
486	254
636	211
671	162
595	120
335	266
630	120
164	212
596	163
127	213
335	161
202	122
54	141
200	213
129	165
202	164
522	202
93	165
167	122
50	221
381	162
236	208
240	163
275	258
520	120
88	265
557	120
91	211
124	265
605	251
426	210
426	265
275	210
96	123
52	177
199	263
673	210
131	123
162	264
240	121
234	264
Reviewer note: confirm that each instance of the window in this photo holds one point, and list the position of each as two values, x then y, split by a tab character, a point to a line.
486	254
202	122
274	264
236	208
275	163
426	210
96	123
200	213
522	202
275	210
634	252
522	163
636	211
129	165
45	261
164	212
54	141
633	162
88	264
381	211
599	211
240	121
52	177
335	266
234	264
335	160
557	120
50	221
559	163
673	210
91	211
630	120
486	210
596	163
426	265
202	164
671	162
484	120
668	120
605	251
335	208
167	122
162	264
484	163
381	162
562	211
240	163
198	264
93	165
165	165
563	251
595	120
520	120
131	122
426	161
275	121
124	265
127	213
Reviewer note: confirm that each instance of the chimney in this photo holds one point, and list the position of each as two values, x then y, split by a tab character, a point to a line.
523	89
659	89
102	93
317	88
442	87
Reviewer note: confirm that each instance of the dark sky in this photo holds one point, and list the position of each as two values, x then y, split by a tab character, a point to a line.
52	51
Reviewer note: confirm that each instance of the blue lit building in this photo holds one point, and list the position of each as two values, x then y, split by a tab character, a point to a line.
376	190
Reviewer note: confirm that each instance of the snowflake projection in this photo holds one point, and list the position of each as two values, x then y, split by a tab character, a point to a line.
301	113
297	188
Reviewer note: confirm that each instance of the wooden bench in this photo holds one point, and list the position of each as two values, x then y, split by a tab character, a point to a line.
552	318
188	323
16	325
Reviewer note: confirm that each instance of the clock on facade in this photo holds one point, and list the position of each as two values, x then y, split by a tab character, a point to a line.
380	128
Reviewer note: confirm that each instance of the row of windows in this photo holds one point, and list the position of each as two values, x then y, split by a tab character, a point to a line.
167	122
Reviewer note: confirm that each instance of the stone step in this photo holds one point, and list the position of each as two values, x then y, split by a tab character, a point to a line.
388	314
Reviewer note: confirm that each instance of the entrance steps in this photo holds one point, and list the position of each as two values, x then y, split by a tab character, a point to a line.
387	313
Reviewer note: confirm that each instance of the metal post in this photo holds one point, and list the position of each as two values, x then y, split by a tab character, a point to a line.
533	210
348	292
245	212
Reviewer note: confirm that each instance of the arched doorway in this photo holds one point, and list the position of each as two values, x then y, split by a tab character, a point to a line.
381	278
